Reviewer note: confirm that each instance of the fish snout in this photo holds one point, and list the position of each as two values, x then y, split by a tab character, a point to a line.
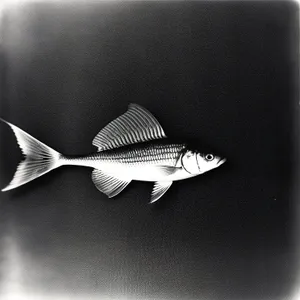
221	161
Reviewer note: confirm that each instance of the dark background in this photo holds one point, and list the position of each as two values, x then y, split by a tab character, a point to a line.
220	73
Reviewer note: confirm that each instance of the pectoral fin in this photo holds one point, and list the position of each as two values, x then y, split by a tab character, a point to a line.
166	170
108	184
159	189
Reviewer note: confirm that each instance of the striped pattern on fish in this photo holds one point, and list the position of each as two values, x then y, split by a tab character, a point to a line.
161	153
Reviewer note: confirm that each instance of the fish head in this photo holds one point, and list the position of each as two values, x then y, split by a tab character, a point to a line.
197	163
209	161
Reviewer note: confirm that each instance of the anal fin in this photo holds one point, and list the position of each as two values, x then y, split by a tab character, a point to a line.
107	184
159	189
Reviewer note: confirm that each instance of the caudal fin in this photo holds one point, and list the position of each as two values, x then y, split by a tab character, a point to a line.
39	158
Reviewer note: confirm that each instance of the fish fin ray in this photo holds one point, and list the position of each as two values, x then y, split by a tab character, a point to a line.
39	158
107	184
166	170
134	126
159	189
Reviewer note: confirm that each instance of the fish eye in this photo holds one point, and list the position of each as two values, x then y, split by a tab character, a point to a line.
209	157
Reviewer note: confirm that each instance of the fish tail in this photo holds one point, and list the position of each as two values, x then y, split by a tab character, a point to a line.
39	158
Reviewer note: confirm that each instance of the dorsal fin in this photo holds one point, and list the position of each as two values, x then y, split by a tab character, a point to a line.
135	126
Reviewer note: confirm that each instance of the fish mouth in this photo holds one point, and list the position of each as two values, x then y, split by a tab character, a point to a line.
221	161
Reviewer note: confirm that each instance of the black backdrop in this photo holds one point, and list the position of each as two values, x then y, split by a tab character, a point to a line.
220	73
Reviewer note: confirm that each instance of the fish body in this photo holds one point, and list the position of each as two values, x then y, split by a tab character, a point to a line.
132	147
140	161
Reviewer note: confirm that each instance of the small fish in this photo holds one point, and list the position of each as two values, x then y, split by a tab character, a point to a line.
131	147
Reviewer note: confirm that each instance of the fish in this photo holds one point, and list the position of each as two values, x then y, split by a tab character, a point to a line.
132	147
